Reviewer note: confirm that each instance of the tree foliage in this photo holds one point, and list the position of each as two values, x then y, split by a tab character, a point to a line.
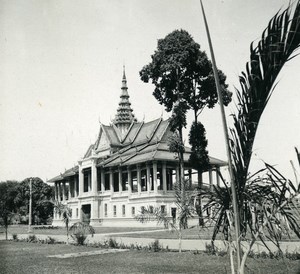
42	194
197	138
186	209
181	71
8	208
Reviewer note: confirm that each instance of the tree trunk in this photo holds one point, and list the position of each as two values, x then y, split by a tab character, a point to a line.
181	177
231	258
179	240
6	228
200	212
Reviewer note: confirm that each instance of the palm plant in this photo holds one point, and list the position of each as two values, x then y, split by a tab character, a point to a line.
278	44
65	212
269	209
186	209
80	230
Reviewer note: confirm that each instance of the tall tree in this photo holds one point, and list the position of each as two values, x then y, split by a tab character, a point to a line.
42	194
8	192
183	79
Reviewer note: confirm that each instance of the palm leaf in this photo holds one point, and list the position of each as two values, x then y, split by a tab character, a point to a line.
278	44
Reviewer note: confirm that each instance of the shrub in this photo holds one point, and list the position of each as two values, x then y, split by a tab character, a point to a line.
15	237
112	243
50	240
210	249
32	239
155	246
79	232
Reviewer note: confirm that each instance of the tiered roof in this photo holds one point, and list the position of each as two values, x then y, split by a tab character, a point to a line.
128	142
124	116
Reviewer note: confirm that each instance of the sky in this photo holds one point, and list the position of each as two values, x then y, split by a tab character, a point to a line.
61	65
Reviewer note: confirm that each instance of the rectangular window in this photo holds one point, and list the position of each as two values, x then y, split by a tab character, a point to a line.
123	210
142	209
133	211
116	181
144	179
115	211
105	210
86	181
134	181
76	212
124	181
106	180
151	209
163	209
71	212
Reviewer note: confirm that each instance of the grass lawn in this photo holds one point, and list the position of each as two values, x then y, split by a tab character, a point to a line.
23	229
192	233
22	257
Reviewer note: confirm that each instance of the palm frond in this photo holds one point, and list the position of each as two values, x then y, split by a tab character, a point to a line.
278	43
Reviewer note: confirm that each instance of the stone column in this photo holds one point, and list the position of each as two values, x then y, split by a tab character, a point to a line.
218	176
69	192
155	176
64	191
210	180
55	191
120	180
164	176
79	211
139	181
102	180
148	177
94	177
80	175
76	186
129	181
111	181
58	192
94	210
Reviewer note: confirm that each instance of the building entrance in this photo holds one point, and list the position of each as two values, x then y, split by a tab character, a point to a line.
86	213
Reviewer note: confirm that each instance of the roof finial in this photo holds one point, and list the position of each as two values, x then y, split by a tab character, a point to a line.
124	76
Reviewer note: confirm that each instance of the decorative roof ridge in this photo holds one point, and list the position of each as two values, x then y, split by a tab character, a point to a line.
129	129
156	127
117	131
138	131
106	134
166	128
98	138
88	151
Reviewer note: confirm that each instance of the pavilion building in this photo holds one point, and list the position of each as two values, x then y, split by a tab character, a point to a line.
128	168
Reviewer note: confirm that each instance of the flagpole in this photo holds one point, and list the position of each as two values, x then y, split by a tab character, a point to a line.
30	206
225	128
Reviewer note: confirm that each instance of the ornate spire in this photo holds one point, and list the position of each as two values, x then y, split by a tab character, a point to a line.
124	116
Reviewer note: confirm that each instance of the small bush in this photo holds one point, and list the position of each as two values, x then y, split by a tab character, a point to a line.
112	243
210	249
32	239
15	237
50	240
46	227
155	246
79	232
292	256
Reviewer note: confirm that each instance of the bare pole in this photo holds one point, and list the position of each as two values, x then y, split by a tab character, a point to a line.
225	128
30	206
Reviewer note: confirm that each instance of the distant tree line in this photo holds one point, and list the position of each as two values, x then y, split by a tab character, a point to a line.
14	202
